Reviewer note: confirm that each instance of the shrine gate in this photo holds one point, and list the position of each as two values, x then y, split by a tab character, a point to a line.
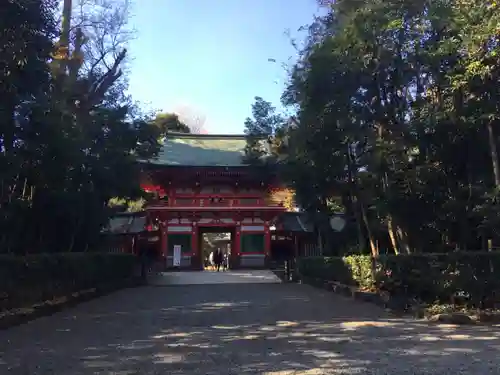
201	184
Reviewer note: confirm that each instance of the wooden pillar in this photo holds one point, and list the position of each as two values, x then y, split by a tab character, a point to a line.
267	240
236	247
295	244
237	240
267	244
163	239
196	256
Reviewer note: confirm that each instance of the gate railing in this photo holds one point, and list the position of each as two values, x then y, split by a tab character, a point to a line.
285	269
290	270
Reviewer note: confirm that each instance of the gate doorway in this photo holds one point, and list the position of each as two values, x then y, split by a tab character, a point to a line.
214	238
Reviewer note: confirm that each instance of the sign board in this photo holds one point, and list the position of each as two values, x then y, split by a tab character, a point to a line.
177	256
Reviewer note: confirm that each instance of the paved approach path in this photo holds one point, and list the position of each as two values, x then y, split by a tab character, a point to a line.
214	277
273	329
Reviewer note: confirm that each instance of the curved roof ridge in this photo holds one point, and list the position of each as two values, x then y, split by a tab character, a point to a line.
205	136
185	149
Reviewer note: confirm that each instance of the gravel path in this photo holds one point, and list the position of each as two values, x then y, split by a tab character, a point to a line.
273	329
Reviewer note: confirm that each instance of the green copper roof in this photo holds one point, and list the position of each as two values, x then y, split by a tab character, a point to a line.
295	222
202	150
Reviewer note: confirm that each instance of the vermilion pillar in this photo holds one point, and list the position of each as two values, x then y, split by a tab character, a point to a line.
196	256
237	242
236	247
194	241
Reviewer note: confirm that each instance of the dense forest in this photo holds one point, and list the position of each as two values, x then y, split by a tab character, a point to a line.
69	133
395	123
396	110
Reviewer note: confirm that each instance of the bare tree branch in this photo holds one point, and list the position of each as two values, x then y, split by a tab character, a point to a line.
97	34
101	86
105	26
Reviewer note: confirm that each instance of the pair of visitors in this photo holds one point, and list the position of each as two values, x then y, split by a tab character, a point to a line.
218	259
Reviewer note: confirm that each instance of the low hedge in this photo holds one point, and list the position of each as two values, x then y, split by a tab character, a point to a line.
470	278
352	270
32	279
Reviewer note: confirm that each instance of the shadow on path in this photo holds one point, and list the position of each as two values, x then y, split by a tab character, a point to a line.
214	277
241	329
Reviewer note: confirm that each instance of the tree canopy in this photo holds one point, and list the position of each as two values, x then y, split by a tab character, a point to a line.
262	131
69	136
397	112
169	122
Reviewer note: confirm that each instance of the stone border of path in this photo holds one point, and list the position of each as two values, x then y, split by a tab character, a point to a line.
15	317
384	300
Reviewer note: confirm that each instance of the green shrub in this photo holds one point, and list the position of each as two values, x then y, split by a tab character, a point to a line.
470	276
352	270
440	277
35	278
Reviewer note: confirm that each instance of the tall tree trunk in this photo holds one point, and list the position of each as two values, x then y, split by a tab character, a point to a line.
352	211
62	52
392	235
74	232
359	226
320	242
403	240
356	204
494	154
361	207
396	239
371	240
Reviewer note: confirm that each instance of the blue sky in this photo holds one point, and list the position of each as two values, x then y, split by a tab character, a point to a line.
211	57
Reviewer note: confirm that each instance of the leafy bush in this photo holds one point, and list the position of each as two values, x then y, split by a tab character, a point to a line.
352	270
459	277
35	278
466	276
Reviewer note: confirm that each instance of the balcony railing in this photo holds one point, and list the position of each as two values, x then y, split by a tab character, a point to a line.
223	202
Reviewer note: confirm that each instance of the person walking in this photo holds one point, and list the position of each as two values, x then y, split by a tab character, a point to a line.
211	260
218	258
